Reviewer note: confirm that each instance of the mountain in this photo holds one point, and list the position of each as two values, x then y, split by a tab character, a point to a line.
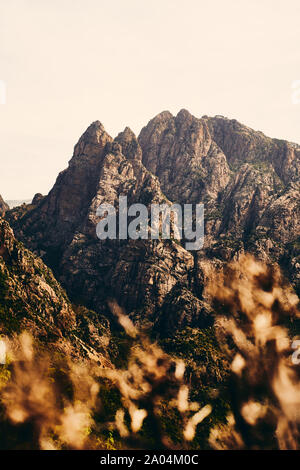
248	183
16	202
250	187
31	299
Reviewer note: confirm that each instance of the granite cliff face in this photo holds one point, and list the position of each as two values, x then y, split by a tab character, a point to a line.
248	183
181	152
31	299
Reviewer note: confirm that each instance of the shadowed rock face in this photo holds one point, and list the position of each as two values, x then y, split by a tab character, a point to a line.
248	183
37	198
3	207
32	299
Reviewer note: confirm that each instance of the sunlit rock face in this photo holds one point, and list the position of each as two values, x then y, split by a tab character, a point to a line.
248	183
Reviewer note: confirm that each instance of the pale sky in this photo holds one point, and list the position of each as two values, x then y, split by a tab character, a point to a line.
67	63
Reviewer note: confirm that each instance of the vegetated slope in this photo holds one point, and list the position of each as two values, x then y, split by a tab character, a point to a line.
31	299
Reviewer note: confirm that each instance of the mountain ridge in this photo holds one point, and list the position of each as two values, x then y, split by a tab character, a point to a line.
249	184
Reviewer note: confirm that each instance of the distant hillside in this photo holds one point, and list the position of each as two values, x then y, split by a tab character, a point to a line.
17	202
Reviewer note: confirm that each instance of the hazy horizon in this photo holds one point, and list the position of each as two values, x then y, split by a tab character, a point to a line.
67	63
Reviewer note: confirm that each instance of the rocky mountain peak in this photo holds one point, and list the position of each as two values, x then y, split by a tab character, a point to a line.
37	198
184	115
182	154
128	133
242	144
92	142
129	144
157	125
249	184
161	117
94	130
